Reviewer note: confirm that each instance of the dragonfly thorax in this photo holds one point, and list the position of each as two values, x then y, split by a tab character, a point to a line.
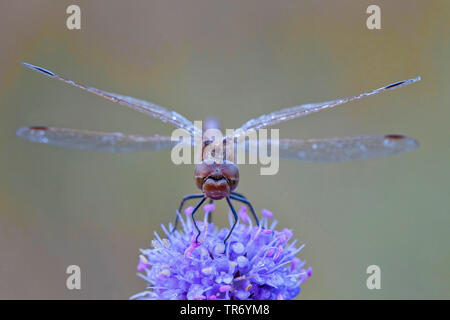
216	180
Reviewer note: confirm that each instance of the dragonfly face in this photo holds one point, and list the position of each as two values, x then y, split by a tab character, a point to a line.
218	179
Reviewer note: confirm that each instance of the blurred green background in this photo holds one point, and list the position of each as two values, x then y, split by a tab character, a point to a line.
236	60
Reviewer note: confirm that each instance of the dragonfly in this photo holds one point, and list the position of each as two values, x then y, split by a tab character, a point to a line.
218	178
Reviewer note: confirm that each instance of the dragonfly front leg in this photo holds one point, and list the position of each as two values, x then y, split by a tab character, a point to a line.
234	224
210	213
240	195
241	198
188	197
193	220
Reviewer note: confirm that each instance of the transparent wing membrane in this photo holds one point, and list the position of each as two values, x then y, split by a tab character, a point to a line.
96	141
282	115
344	148
146	107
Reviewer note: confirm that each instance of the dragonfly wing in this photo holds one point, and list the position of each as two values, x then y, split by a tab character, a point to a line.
345	148
146	107
96	141
282	115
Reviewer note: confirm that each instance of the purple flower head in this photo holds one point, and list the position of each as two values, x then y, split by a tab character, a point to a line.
259	263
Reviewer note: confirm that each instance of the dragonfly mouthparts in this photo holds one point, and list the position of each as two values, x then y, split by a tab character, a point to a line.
215	177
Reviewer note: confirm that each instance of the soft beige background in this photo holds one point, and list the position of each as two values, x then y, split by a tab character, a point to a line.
236	60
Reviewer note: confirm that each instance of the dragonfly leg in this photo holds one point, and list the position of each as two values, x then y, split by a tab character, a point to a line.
234	224
240	195
245	201
210	214
188	197
192	216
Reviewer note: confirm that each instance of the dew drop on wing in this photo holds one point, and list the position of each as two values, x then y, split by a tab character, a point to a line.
301	154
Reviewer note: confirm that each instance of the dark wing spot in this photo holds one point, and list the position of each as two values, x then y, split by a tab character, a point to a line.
394	137
394	84
39	128
45	71
38	69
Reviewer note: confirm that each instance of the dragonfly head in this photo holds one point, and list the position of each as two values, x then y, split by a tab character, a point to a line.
216	180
